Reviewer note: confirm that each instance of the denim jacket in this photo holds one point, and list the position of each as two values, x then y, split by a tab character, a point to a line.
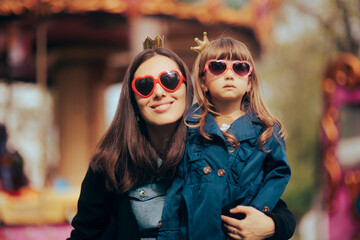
213	177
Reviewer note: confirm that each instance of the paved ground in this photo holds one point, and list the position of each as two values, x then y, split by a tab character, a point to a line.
49	232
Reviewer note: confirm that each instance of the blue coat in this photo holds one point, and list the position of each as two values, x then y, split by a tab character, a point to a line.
212	178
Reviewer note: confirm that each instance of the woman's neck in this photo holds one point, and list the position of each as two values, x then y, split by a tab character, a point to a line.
160	135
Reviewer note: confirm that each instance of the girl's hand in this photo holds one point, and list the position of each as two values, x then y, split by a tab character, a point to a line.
255	226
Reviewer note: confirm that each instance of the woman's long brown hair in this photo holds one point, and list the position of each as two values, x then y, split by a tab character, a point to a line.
125	153
231	49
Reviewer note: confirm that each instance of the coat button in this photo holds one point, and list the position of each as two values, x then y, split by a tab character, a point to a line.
221	172
159	224
207	170
142	194
266	209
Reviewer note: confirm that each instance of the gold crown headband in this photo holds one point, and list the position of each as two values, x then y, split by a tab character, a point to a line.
201	44
159	42
153	44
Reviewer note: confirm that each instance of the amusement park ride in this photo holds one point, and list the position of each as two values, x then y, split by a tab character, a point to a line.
59	37
340	141
81	47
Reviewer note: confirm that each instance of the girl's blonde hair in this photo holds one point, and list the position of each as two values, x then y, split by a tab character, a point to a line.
231	49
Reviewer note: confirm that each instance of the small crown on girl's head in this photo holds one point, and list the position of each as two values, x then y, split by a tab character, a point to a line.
201	44
152	44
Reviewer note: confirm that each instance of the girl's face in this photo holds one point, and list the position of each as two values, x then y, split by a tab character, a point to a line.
161	107
228	86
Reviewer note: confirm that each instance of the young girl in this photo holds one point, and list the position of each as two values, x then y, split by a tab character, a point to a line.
235	150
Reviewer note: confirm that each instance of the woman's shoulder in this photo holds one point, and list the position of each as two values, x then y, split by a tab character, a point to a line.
94	177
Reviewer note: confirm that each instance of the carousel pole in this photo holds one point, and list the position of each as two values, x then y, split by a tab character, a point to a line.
41	81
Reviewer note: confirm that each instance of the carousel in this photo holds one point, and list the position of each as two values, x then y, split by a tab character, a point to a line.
58	60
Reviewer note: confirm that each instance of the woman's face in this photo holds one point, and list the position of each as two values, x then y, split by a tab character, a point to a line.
161	108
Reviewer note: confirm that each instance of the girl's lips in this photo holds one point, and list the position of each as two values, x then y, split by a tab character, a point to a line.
229	86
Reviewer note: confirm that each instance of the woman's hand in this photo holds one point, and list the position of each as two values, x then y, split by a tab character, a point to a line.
255	226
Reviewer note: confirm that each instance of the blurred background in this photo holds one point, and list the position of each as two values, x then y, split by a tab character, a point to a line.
61	67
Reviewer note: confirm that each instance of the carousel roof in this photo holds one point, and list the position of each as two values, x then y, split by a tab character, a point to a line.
254	14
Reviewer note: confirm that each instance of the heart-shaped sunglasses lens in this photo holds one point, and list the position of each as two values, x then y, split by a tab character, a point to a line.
170	80
217	67
144	85
241	68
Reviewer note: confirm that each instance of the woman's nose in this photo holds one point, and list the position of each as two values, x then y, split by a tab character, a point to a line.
159	91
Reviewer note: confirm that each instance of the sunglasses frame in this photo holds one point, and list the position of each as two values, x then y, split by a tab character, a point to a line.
157	80
228	66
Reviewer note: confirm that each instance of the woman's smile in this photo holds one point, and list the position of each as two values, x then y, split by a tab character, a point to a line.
162	107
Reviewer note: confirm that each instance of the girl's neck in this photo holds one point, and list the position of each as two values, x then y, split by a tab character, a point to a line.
231	109
228	111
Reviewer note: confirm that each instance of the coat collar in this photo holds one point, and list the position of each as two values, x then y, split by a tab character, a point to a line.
246	127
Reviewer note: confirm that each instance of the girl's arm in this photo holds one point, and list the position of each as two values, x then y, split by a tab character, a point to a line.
279	224
277	173
93	204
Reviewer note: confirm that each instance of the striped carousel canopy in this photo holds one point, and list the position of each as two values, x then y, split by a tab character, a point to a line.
255	14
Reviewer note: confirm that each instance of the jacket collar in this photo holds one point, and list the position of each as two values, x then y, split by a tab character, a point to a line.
246	127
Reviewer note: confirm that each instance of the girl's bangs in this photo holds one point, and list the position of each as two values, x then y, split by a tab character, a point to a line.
227	52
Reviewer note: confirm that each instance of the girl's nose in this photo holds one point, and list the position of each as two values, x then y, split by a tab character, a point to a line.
229	75
159	91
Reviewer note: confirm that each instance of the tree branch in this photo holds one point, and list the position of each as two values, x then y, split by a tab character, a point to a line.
351	45
344	43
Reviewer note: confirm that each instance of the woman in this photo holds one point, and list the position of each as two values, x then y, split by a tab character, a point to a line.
123	191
